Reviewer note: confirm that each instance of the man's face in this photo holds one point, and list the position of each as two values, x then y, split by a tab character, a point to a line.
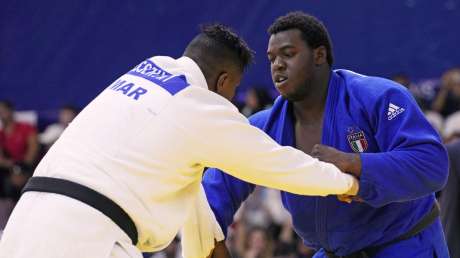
291	62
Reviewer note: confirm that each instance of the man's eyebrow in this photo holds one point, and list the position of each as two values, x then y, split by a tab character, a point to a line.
287	46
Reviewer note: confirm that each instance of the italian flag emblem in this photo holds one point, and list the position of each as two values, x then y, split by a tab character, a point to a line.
357	141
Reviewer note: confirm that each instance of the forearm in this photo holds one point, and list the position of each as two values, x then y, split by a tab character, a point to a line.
349	163
401	176
290	170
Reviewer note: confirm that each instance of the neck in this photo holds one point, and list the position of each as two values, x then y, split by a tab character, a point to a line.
312	107
208	75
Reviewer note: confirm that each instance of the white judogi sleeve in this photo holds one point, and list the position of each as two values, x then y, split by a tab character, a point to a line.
225	140
200	230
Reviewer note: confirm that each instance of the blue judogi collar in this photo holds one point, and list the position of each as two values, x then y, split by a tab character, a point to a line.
280	123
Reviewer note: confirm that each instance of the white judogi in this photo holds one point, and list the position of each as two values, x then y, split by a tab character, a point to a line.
144	142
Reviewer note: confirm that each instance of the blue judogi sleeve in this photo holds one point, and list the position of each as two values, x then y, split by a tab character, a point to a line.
412	163
224	192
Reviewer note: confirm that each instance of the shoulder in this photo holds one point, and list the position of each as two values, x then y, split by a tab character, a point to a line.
372	91
370	86
198	103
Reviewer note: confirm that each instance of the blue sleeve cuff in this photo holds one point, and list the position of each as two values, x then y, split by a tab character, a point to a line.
368	188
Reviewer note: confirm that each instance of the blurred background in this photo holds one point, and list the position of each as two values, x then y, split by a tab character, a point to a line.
55	56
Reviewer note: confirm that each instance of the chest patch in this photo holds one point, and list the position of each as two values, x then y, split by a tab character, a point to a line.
357	141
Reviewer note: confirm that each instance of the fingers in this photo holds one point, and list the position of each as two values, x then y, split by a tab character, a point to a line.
349	198
345	198
315	151
318	150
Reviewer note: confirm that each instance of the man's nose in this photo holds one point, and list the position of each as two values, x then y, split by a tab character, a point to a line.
279	64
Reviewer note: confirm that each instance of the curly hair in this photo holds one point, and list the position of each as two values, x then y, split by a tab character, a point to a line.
314	33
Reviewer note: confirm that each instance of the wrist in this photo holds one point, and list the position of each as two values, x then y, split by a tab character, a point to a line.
353	164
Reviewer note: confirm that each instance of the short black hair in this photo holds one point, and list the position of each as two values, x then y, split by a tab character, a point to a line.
314	33
221	34
217	44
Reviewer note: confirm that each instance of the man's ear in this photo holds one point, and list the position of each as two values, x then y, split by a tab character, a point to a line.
221	79
320	55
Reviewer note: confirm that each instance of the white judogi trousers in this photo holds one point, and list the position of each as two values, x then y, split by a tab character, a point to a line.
95	236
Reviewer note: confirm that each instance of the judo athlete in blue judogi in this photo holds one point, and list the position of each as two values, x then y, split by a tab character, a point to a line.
368	126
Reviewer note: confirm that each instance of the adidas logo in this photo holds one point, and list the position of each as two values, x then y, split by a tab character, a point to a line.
393	111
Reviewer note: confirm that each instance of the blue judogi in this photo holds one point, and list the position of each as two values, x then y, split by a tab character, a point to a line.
403	164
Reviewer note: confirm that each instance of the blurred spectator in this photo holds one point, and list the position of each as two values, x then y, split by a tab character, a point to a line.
436	120
52	132
452	127
263	219
18	141
258	244
450	201
18	153
404	80
18	176
448	99
285	241
256	99
231	241
255	212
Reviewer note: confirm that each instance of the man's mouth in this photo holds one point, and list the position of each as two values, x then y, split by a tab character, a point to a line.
280	80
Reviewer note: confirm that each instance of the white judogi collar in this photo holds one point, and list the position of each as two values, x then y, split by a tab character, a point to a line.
191	68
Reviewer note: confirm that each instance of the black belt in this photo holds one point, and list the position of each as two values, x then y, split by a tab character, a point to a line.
86	195
426	221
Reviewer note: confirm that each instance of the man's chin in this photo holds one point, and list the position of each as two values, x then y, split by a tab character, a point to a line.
291	97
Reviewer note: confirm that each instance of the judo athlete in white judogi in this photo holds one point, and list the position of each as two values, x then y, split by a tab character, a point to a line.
125	175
